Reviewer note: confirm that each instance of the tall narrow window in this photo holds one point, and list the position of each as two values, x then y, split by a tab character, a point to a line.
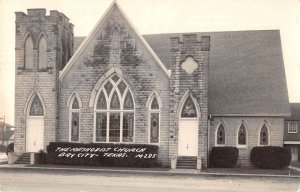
74	120
220	135
36	108
28	53
154	120
242	135
264	135
43	53
114	112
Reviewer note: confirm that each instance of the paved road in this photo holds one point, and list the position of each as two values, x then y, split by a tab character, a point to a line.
62	181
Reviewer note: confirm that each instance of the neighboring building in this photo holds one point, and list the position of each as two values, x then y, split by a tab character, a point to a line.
291	131
7	136
184	92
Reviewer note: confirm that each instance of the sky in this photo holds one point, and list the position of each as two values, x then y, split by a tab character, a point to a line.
161	16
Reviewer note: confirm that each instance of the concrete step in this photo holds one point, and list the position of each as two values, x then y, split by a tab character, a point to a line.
184	162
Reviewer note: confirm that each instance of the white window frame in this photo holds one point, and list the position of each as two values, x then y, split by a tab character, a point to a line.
269	133
292	129
150	111
216	135
107	111
237	136
71	111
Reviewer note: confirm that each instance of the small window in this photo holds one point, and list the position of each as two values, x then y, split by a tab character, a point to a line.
36	108
264	135
292	127
189	109
74	120
154	121
242	135
221	135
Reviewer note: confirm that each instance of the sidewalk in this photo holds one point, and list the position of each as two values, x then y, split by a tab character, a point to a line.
220	172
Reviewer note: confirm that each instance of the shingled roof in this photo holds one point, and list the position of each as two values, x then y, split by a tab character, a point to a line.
246	71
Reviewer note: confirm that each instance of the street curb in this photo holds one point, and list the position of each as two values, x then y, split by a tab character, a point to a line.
154	172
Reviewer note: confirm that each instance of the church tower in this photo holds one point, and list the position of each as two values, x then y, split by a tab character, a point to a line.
44	44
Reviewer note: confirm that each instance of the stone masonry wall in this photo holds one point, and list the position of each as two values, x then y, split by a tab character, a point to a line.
54	28
196	83
115	46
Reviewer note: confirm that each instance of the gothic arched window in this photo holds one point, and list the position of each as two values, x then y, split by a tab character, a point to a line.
189	109
114	112
220	137
36	108
264	135
74	119
28	53
242	135
154	120
43	53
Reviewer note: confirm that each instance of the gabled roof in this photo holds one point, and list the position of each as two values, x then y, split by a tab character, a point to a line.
295	110
246	71
89	38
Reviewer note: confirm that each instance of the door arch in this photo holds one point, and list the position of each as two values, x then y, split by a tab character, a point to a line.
189	114
35	124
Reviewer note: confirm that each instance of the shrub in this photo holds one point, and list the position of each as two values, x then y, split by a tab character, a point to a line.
102	154
224	157
40	157
10	148
270	157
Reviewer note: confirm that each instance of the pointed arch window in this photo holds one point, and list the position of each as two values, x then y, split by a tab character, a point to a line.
189	109
264	135
36	108
114	112
74	119
154	120
242	135
42	53
28	53
221	135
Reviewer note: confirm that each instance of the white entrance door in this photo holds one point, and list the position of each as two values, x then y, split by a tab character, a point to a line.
188	138
34	134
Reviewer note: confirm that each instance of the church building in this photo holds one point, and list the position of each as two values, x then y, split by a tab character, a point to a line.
184	92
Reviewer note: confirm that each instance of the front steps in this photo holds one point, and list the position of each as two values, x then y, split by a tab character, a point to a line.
186	162
24	159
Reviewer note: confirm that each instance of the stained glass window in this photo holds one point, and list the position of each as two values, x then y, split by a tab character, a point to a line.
101	127
114	127
75	104
115	78
101	103
189	109
36	108
221	135
264	135
115	102
128	127
242	135
122	86
108	87
115	113
128	103
75	127
154	128
154	104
